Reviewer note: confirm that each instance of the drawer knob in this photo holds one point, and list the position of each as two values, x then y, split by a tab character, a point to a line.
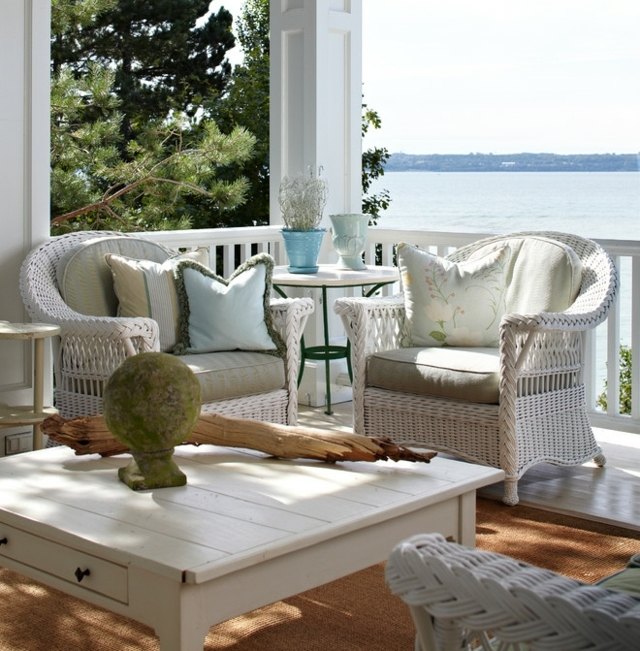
4	541
80	574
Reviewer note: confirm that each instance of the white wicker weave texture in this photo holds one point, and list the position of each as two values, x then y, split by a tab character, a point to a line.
463	598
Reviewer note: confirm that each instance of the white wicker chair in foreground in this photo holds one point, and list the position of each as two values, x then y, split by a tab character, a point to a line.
92	347
539	412
462	598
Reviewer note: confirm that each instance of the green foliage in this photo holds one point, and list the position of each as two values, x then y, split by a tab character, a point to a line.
70	16
253	31
625	383
85	137
165	55
135	87
101	179
85	116
153	189
246	103
373	160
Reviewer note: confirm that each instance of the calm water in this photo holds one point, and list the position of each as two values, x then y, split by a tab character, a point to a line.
592	204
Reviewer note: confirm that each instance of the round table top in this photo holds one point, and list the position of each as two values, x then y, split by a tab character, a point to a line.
330	275
10	330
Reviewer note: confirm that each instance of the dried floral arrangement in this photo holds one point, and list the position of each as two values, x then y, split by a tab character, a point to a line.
302	200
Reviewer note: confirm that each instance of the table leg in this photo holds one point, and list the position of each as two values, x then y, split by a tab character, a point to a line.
178	612
327	361
467	519
185	639
38	389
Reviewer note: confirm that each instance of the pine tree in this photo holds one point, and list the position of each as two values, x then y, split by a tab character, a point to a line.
101	180
166	55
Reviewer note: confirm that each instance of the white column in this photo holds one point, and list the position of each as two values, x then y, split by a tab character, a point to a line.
316	96
315	112
24	171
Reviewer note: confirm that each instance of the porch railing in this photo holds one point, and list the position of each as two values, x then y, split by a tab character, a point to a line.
228	247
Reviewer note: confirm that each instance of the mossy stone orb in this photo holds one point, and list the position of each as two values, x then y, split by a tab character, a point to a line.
152	401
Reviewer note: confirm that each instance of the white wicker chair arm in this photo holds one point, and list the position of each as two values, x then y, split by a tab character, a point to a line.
43	302
134	334
473	595
531	344
289	317
372	324
92	348
554	321
74	323
376	322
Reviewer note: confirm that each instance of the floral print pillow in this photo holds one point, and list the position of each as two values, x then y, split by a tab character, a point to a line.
453	304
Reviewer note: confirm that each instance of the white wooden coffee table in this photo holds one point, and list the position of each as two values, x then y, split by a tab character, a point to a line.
245	531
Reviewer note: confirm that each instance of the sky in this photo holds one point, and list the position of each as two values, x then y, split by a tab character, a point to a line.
501	76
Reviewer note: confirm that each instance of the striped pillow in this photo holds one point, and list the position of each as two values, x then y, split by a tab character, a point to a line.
146	288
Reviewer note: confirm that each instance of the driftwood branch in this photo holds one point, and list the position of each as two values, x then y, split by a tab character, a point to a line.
90	435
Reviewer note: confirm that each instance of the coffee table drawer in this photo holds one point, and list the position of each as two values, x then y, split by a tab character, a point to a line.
84	570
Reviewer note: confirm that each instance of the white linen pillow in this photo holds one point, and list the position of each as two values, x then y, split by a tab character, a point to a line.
218	314
543	275
452	304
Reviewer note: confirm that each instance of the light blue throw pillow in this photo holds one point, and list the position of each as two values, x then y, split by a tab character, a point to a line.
218	314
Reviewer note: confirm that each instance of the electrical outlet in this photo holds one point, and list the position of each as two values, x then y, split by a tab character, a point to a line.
15	443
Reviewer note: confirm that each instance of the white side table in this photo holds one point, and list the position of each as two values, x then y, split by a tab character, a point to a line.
11	416
331	276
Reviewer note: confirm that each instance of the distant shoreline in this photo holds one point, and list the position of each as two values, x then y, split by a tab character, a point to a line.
524	162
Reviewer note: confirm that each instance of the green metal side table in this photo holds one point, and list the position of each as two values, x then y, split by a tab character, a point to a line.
332	277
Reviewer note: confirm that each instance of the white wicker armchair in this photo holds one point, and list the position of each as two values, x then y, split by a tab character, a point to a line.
462	598
541	415
92	347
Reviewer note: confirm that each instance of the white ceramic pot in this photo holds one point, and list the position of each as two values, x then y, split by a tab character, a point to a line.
349	237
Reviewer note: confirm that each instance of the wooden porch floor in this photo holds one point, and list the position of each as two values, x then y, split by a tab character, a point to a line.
610	494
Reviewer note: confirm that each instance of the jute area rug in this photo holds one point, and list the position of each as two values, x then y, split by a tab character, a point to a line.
356	613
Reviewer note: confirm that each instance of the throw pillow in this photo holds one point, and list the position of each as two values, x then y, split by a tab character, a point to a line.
543	275
452	304
84	278
147	288
218	314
